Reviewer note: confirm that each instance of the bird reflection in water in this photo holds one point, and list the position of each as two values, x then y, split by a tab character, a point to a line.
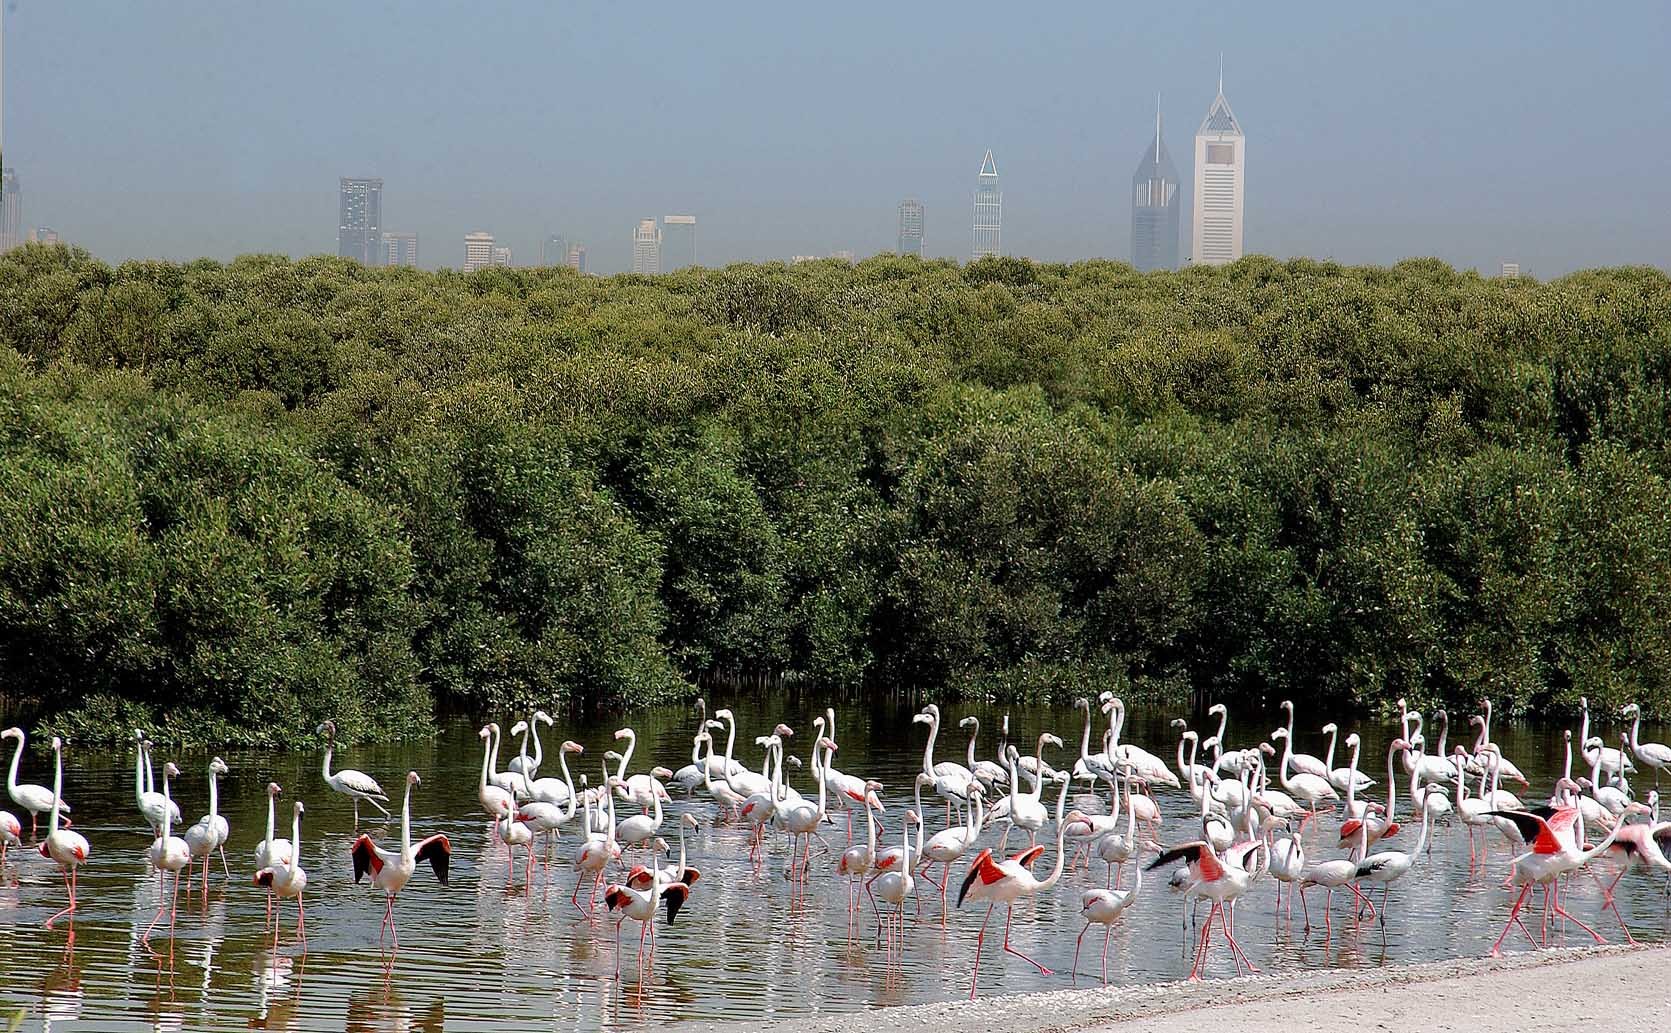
385	1011
273	977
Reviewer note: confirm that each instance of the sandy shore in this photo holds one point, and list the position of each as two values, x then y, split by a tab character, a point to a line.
1551	990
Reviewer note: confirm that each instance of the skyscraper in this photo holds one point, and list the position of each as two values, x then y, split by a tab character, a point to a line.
11	211
678	242
360	219
400	249
44	235
646	248
1154	206
577	258
911	227
989	210
478	251
1216	233
502	256
555	251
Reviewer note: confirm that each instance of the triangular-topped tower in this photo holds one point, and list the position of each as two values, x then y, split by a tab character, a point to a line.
989	210
1155	203
1220	158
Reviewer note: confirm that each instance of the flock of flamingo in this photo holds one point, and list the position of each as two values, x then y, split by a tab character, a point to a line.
1253	804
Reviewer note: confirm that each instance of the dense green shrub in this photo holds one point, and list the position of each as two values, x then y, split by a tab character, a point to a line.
236	499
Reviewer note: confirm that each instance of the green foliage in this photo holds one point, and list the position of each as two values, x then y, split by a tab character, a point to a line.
236	499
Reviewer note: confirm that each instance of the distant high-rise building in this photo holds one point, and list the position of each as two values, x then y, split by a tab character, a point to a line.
678	242
577	258
911	227
1216	233
555	252
502	256
44	235
478	251
1511	271
360	219
400	249
989	210
843	255
646	247
11	211
1154	206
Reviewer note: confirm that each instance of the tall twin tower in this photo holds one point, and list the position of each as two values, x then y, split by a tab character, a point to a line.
1216	208
1215	211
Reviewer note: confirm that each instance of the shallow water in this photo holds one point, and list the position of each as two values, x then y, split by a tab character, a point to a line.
477	955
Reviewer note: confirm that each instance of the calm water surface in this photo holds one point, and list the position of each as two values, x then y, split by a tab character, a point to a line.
478	954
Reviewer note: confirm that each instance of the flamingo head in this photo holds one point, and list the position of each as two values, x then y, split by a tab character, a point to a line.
1051	739
1216	709
519	728
12	733
794	761
1477	721
611	755
412	778
1630	710
1287	705
970	720
297	808
1330	728
485	733
724	714
1082	704
783	731
829	744
921	719
625	733
1567	736
1399	744
274	789
570	746
1179	722
1352	740
1280	733
328	729
1267	749
719	725
169	769
690	820
218	766
541	717
1635	807
1209	742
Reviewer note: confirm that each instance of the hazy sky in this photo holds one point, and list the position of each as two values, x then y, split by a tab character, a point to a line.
1477	132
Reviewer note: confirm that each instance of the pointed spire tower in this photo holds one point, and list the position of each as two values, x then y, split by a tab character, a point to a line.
1220	153
1155	203
989	210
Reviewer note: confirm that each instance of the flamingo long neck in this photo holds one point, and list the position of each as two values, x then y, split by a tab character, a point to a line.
1328	757
1635	747
295	840
1392	785
1352	780
1612	834
138	773
730	740
1118	716
974	731
1421	840
1595	771
655	804
539	747
1183	765
330	748
1015	784
1131	817
870	825
822	774
214	795
150	776
1566	769
270	819
522	753
1485	729
58	786
1584	725
1061	838
167	806
1003	740
1223	721
405	823
632	744
974	825
487	759
1290	722
1461	780
1084	736
568	780
1038	781
1444	730
905	847
928	747
1287	750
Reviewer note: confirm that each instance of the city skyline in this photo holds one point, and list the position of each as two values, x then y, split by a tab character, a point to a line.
360	218
1363	152
1155	206
1218	207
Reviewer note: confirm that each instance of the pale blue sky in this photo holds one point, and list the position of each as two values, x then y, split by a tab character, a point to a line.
1475	132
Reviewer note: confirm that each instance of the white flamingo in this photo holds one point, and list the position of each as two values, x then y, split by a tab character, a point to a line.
287	879
356	785
37	800
211	831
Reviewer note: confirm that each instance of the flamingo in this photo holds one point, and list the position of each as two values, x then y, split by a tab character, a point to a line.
640	904
951	780
1332	875
1005	882
728	798
1348	779
740	778
1113	848
1301	762
70	849
1027	809
1386	867
1655	755
1374	830
1635	844
951	844
271	852
1611	798
893	887
211	832
492	796
802	817
1612	762
1287	866
597	849
642	789
1103	907
1554	852
1484	741
857	859
1222	880
151	804
522	764
989	773
543	816
287	880
391	869
514	833
1232	761
167	853
1309	787
640	829
1474	811
11	834
356	785
37	800
1148	767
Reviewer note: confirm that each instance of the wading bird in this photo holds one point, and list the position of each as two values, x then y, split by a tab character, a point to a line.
356	785
392	869
287	880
